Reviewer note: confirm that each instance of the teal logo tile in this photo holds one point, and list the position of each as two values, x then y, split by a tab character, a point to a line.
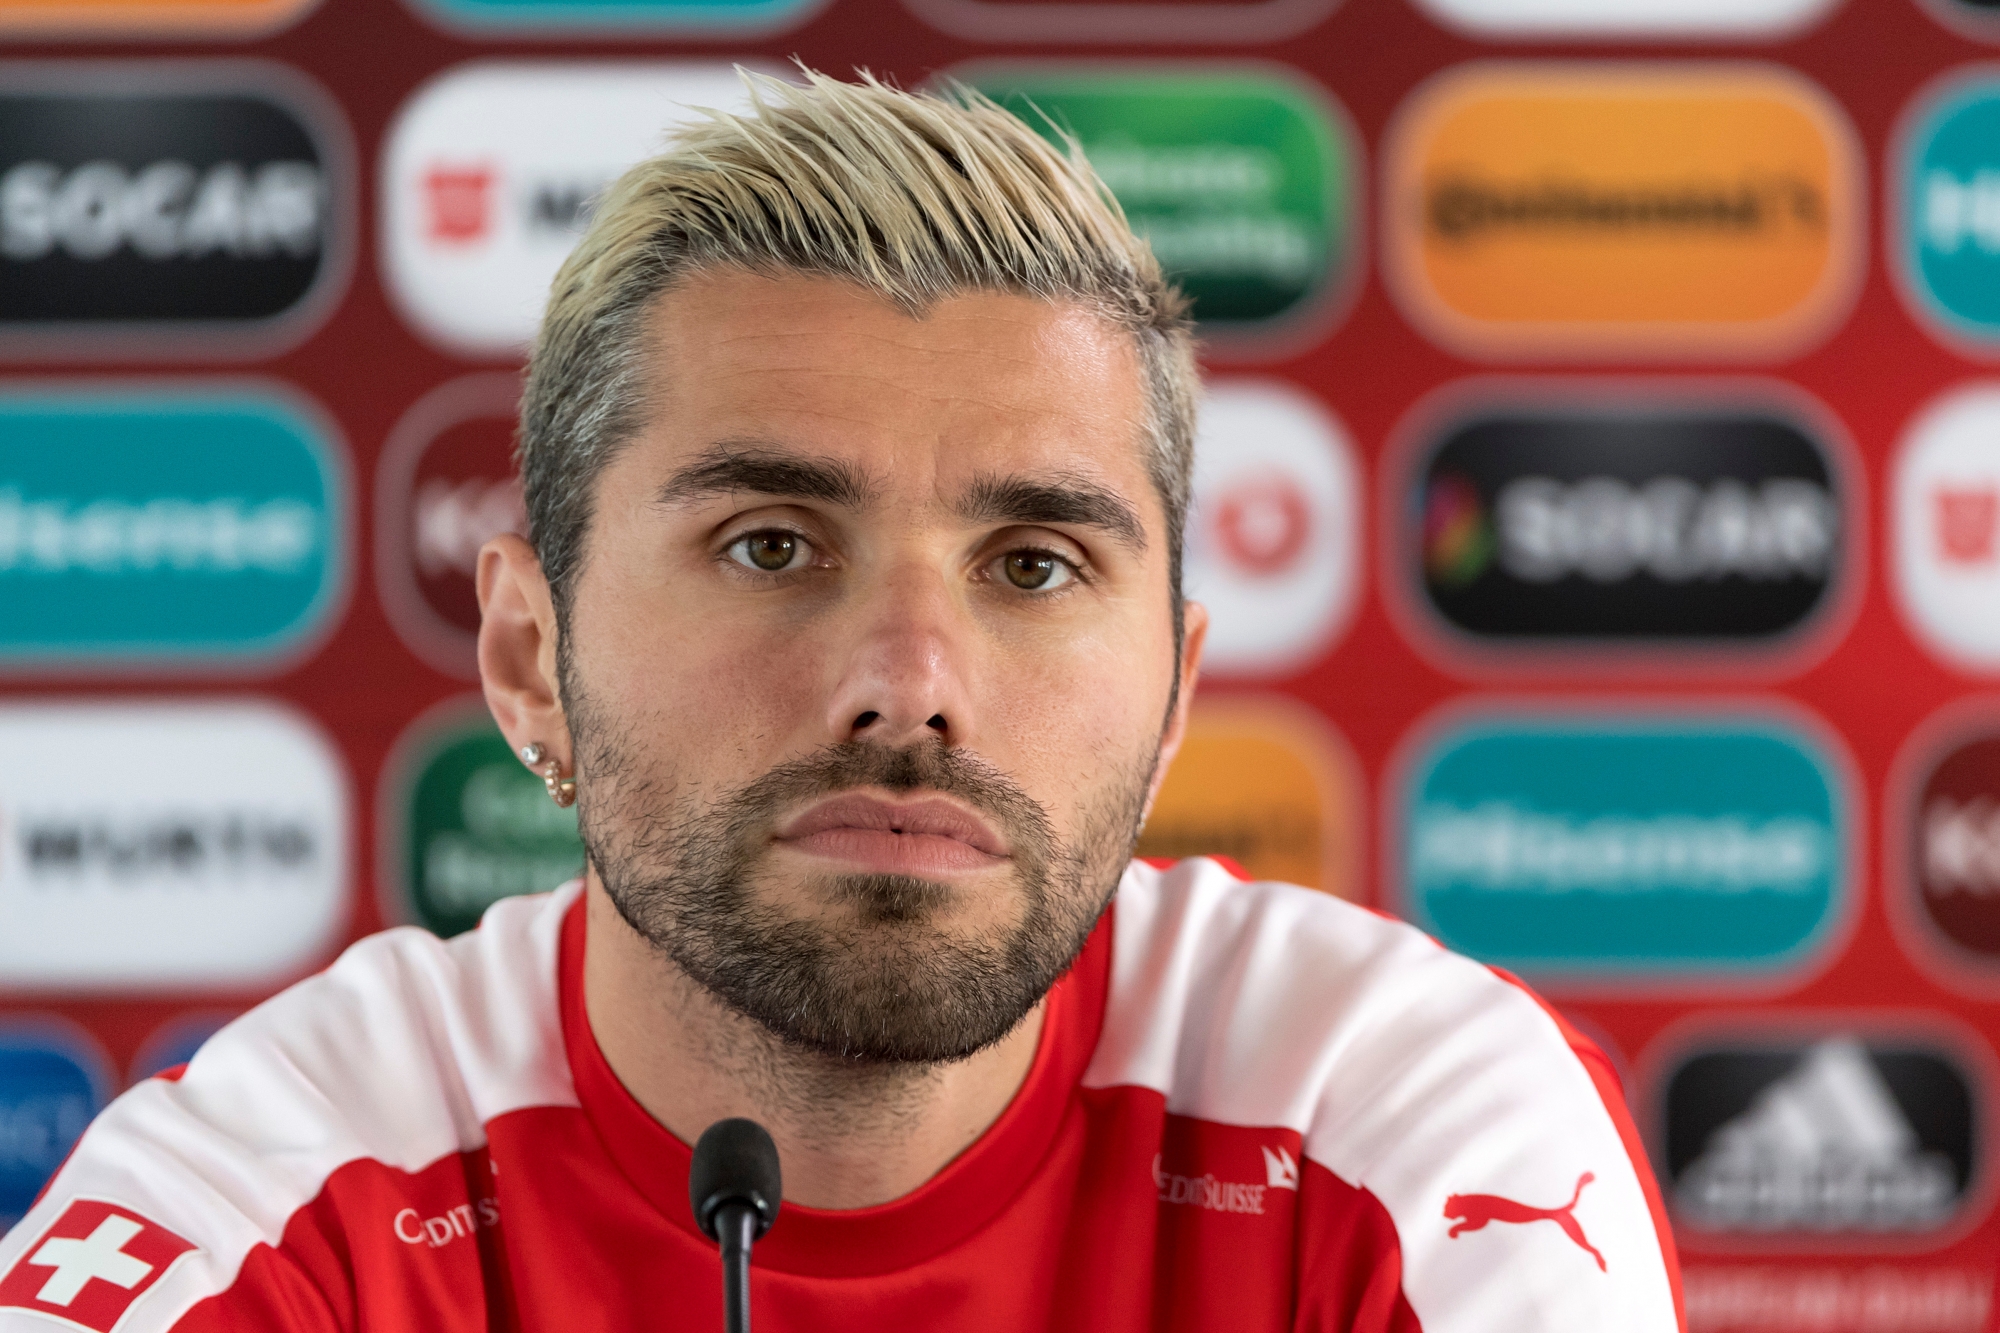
1241	180
156	528
1948	201
546	17
1627	846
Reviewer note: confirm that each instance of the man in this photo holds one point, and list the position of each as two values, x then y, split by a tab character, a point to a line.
856	447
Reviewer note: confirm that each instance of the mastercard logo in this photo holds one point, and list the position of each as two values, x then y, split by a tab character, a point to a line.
120	18
1614	210
1267	783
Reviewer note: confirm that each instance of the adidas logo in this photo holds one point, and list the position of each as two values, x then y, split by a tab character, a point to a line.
1826	1147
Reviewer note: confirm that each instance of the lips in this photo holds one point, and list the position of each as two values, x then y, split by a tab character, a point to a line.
929	835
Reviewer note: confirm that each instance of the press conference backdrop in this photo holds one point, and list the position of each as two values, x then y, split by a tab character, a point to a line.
1598	503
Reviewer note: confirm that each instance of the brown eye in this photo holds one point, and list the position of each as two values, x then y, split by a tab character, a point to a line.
1035	571
770	552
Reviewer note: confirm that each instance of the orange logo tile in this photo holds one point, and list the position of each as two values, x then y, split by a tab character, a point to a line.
1615	210
1268	783
112	19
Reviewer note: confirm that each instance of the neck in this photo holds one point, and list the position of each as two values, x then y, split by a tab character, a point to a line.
850	1136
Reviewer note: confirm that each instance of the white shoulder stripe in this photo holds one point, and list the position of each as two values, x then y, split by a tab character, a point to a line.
398	1053
1409	1071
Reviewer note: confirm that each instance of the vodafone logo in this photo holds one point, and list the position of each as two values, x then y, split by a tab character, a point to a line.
1273	533
490	173
1947	527
91	1265
446	487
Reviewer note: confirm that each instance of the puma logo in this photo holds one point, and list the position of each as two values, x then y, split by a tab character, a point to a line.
1473	1211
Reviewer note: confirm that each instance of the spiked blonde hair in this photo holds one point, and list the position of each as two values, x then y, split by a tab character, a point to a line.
913	196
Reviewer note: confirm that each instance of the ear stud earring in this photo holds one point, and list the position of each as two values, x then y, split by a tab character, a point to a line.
562	790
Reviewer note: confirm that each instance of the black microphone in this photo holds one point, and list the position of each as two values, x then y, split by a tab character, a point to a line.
735	1187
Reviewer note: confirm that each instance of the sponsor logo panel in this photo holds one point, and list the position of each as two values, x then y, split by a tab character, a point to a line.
198	207
466	825
1222	22
1273	534
1626	524
92	1265
188	525
1822	1135
1613	210
1946	515
118	872
53	1082
489	174
1946	203
447	485
1826	1298
1242	181
1571	20
113	19
548	18
1268	784
1627	847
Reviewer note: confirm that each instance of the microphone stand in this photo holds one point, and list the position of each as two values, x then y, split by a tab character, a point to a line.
734	1187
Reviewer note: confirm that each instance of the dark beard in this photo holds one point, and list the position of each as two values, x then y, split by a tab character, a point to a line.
879	985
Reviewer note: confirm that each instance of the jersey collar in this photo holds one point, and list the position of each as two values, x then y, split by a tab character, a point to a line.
971	1190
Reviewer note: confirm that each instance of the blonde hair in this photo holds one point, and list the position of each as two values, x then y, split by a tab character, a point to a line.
913	196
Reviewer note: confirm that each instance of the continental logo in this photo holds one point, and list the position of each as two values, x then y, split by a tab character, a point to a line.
464	825
1620	523
196	526
1614	210
1626	846
116	873
112	20
1267	783
197	205
445	488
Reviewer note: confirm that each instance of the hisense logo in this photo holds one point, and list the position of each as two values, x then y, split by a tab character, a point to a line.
165	535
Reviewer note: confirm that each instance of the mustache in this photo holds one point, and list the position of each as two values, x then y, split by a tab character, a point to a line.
928	766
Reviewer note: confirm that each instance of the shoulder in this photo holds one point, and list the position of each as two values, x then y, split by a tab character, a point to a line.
1425	1079
399	1053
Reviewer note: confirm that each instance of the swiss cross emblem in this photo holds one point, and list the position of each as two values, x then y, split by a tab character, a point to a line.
91	1264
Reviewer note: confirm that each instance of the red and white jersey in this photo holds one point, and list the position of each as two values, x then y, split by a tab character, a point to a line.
1253	1107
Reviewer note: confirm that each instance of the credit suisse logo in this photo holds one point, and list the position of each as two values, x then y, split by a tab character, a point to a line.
1268	784
1606	520
53	1082
465	825
1569	20
1242	180
490	172
1947	527
549	18
1611	210
1273	534
447	486
193	207
1946	199
191	525
1631	847
1821	1135
119	872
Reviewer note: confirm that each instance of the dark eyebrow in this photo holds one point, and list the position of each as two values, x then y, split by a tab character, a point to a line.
1068	500
762	470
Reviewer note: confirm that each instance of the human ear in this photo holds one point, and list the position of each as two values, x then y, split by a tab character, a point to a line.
517	648
1193	635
